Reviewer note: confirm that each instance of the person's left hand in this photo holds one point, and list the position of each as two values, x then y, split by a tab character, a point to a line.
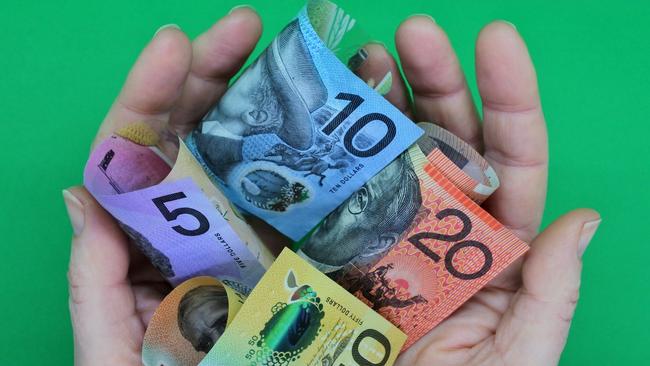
114	290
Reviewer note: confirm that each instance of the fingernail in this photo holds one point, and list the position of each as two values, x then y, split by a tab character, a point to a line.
75	211
240	7
509	23
433	20
358	59
379	43
588	231
171	25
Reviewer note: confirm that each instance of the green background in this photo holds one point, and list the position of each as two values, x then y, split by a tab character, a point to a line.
63	62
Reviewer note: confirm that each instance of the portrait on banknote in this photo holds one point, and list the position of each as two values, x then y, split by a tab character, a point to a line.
369	223
203	315
270	98
278	102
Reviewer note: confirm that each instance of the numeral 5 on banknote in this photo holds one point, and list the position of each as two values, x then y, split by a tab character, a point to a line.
203	223
174	214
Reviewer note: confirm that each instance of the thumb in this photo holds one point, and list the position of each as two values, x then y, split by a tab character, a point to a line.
535	327
101	301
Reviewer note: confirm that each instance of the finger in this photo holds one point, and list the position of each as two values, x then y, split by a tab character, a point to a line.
379	69
440	92
537	323
217	55
101	302
513	127
153	85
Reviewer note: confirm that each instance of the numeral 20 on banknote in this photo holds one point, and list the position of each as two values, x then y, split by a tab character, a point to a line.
417	239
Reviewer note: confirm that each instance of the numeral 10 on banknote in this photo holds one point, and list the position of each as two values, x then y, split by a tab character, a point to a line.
355	102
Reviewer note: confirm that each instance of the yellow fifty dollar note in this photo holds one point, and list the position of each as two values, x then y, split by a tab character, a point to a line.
298	316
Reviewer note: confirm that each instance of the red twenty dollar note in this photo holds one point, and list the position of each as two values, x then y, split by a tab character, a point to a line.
452	249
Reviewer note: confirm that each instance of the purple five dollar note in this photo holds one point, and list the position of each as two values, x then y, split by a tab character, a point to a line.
173	223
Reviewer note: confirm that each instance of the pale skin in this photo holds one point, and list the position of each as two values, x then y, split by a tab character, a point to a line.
520	318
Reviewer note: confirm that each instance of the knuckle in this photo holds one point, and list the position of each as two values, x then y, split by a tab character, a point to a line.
566	309
75	286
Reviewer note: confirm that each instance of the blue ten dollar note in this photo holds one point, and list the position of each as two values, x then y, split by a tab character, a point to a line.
298	132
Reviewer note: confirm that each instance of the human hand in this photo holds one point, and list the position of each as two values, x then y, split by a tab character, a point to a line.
114	290
523	316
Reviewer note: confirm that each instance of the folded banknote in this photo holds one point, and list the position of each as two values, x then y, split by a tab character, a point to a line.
299	132
189	321
298	316
457	161
174	215
412	245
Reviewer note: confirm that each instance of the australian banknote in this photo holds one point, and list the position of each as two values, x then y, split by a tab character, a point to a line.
298	132
189	321
411	245
451	251
298	316
172	211
458	162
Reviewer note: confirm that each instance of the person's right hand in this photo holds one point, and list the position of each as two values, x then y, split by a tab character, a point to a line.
523	316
